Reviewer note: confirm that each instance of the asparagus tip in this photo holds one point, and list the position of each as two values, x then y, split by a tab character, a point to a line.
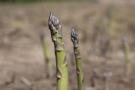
74	37
53	21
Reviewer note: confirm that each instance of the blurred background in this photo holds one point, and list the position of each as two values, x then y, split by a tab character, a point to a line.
106	30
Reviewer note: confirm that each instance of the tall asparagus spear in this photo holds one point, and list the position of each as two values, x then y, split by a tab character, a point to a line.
61	64
79	71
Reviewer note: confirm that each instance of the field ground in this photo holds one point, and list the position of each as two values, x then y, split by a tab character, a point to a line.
101	29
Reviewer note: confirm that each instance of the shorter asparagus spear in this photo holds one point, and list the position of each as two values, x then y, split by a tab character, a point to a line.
79	71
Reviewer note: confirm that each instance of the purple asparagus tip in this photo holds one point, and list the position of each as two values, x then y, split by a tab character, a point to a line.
74	37
53	22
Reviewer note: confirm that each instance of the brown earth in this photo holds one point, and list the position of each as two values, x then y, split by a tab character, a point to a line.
22	64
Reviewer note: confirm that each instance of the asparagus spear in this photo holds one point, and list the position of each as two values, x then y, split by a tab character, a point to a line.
126	50
61	63
79	71
48	64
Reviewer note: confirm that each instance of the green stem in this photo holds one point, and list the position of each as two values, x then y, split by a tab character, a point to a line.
79	70
48	64
126	56
110	20
61	63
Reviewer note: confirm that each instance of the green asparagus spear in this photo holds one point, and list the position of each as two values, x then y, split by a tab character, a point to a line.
61	63
79	70
126	56
48	64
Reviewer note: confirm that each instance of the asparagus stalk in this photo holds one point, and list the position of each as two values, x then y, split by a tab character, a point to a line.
61	63
109	15
48	64
79	71
126	56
